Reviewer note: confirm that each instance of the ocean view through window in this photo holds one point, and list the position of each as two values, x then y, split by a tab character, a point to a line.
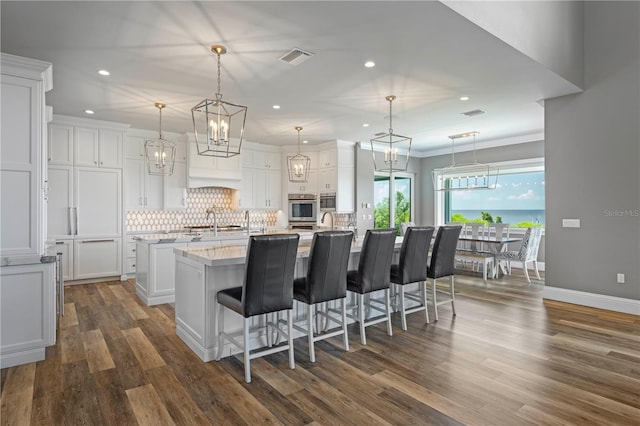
517	200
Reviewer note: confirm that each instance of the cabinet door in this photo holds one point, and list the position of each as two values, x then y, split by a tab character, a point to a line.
273	160
60	145
175	188
133	147
246	200
98	195
273	189
60	202
328	180
85	149
328	157
259	179
153	191
110	148
308	187
181	152
133	184
97	258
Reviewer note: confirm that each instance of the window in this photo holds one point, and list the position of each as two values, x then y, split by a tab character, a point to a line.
517	200
402	202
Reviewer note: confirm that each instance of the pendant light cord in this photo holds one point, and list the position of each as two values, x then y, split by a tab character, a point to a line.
160	126
218	93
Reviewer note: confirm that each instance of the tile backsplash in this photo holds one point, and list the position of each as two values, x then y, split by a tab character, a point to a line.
201	199
198	201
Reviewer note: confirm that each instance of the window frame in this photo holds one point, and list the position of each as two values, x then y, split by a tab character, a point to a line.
392	207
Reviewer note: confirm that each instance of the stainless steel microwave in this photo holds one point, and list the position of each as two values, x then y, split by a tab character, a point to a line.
302	208
328	202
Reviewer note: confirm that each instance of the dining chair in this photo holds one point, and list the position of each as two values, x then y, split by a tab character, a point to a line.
373	274
442	263
497	232
267	288
325	281
412	269
528	252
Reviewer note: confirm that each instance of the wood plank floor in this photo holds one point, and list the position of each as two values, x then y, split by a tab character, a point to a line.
507	358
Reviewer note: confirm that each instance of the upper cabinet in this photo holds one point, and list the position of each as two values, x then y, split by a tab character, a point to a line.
337	173
85	143
261	184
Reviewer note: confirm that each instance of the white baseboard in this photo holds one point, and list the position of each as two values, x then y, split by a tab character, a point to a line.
601	301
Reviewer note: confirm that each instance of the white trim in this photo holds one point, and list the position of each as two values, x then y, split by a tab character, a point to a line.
23	357
594	300
514	140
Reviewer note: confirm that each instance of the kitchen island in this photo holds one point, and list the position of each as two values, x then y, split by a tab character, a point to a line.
203	271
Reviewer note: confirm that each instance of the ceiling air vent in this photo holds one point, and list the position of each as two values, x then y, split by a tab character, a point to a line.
379	134
296	56
473	113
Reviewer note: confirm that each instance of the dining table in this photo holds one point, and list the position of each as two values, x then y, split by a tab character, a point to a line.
485	246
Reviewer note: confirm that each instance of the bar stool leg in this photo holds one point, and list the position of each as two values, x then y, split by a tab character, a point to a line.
402	309
423	286
345	336
363	337
247	359
292	362
435	302
453	293
310	320
387	293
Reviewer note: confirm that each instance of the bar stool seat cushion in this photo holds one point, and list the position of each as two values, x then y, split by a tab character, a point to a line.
232	299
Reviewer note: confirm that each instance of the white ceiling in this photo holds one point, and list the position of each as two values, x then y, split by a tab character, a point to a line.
425	54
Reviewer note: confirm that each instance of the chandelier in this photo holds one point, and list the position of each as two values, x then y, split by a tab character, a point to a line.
160	154
212	122
391	145
299	164
465	176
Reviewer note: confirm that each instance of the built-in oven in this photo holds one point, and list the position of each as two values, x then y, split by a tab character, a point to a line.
302	208
328	202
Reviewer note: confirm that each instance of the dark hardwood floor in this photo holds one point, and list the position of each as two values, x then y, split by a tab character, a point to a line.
507	358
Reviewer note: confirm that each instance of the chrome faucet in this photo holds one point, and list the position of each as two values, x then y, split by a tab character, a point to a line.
355	228
214	224
332	218
246	220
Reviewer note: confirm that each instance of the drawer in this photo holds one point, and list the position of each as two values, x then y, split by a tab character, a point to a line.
131	238
131	265
131	249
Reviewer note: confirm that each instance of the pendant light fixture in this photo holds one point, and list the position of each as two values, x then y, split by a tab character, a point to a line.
160	154
218	125
394	147
465	176
299	164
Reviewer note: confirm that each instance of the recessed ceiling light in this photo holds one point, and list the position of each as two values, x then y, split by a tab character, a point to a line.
369	64
104	72
365	124
305	141
464	98
88	111
276	107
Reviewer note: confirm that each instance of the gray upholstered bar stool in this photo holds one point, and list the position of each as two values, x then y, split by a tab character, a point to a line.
374	270
412	269
267	288
443	257
325	281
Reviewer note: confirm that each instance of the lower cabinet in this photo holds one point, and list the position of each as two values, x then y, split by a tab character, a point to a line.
155	272
27	312
96	258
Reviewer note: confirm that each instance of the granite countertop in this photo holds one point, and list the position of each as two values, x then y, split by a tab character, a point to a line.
235	254
188	237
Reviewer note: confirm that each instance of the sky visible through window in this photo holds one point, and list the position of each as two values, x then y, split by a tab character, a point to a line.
521	192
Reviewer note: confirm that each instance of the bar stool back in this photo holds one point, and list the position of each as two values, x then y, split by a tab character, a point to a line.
326	280
442	263
412	268
374	270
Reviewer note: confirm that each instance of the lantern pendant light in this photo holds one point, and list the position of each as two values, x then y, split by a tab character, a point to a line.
160	154
299	164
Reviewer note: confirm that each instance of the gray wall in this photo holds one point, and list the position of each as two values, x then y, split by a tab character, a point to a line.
592	146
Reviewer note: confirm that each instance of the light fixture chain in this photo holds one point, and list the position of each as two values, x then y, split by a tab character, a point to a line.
474	148
160	128
218	93
298	141
390	118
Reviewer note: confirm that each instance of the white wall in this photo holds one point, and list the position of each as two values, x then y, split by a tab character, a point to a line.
592	147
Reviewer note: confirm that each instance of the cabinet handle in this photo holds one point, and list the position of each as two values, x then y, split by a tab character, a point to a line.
98	241
95	162
101	163
59	242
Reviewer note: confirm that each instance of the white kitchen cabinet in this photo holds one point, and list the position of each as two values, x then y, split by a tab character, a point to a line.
267	190
60	212
98	195
337	173
60	138
95	147
308	187
246	190
141	190
95	258
175	187
267	160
